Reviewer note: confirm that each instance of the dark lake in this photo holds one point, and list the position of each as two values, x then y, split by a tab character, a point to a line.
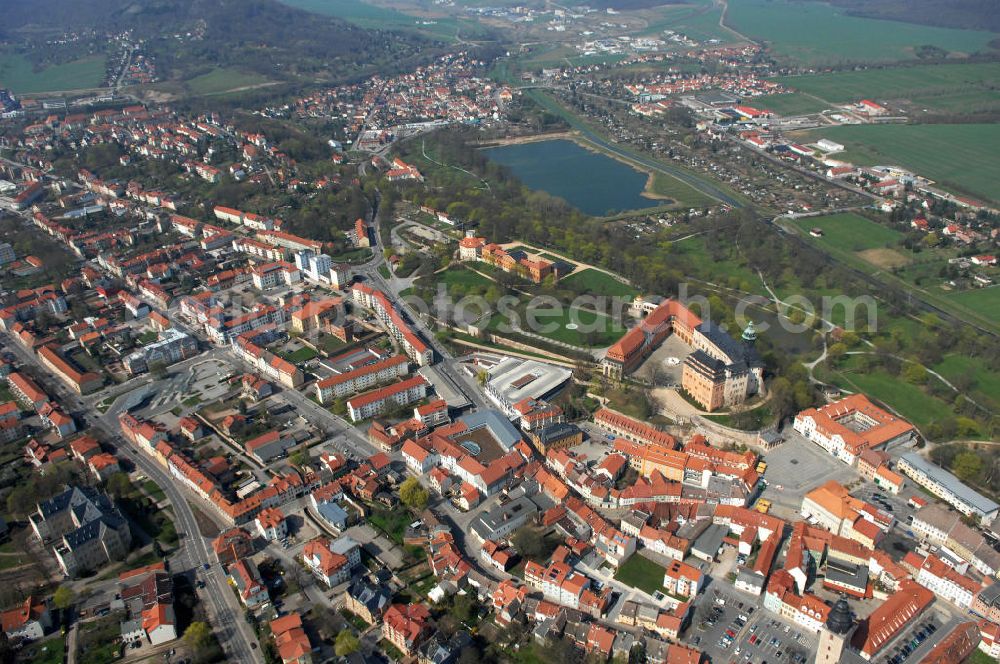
589	181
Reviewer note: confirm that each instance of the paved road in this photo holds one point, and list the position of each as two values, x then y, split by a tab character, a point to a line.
699	184
71	642
447	364
226	615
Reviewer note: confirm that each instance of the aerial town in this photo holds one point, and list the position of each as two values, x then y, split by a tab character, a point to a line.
544	348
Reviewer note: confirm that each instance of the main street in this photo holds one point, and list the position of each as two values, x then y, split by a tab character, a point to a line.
447	364
225	613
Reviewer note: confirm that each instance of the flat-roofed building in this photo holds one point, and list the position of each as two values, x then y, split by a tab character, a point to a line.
500	521
947	487
171	347
512	380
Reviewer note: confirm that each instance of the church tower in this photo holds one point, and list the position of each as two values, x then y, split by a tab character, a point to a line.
835	634
749	335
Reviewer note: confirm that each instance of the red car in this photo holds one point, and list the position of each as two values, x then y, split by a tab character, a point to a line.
753	639
730	633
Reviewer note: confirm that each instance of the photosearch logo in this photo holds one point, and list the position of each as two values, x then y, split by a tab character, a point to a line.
587	315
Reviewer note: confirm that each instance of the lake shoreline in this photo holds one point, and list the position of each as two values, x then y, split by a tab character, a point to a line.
648	191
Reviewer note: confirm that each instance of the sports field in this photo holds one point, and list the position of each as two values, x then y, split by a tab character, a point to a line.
945	88
792	103
815	33
959	157
17	74
850	232
222	80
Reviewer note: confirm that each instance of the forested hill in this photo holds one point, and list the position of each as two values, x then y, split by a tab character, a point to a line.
261	35
967	14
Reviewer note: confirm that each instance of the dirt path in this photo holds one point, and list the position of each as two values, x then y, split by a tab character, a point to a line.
722	22
521	140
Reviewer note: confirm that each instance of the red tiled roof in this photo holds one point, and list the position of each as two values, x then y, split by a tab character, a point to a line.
18	617
887	426
893	615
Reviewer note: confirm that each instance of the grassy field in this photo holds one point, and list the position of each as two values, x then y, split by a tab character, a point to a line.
17	73
698	19
592	329
790	103
861	244
605	330
959	157
598	283
458	279
330	343
358	255
908	400
392	523
154	490
360	13
369	16
979	657
641	573
303	354
9	562
222	80
724	271
984	300
753	420
680	192
51	651
850	232
959	87
815	33
985	387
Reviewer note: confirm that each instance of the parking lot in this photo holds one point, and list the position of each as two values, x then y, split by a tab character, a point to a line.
771	639
913	644
792	470
896	505
734	628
